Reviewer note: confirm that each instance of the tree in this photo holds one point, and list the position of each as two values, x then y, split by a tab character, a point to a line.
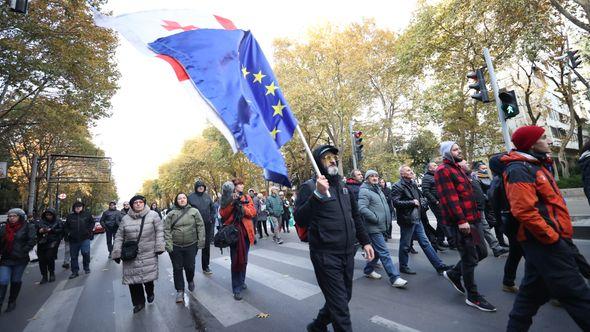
576	11
422	148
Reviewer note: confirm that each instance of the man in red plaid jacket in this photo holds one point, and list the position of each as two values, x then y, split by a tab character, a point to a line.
459	211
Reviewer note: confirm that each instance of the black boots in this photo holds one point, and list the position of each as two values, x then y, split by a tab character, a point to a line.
14	290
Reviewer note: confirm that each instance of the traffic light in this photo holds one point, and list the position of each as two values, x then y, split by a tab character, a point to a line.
479	86
19	6
358	145
509	104
574	59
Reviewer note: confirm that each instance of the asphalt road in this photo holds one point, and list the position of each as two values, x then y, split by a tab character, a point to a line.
281	284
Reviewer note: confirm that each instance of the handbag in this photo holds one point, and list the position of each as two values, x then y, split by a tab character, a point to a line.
228	234
129	249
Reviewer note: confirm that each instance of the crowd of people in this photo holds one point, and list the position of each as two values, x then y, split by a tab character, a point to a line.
516	209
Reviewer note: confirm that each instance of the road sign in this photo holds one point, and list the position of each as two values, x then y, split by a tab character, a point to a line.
62	196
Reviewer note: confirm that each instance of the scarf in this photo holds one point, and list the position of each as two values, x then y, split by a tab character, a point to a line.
11	229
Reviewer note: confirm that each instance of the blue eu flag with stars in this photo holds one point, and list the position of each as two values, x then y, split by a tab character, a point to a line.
230	71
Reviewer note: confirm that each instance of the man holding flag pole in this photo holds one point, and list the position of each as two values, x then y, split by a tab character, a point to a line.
240	95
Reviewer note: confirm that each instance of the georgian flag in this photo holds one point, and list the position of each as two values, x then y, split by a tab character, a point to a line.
143	28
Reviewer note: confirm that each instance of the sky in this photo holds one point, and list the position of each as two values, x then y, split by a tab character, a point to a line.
152	116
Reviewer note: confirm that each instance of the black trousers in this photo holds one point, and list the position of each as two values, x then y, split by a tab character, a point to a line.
441	231
47	257
550	272
515	253
334	275
259	224
472	249
206	253
183	259
110	235
137	295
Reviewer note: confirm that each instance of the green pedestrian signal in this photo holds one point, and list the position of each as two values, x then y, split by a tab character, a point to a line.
509	104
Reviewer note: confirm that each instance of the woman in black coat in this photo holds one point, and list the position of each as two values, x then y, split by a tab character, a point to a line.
49	235
17	238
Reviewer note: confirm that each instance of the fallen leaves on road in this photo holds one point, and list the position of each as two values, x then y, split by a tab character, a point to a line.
262	315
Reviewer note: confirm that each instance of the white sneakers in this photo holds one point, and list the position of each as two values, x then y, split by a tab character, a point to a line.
399	283
373	275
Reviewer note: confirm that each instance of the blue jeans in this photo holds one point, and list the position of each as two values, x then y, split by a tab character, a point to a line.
11	273
406	239
381	253
77	247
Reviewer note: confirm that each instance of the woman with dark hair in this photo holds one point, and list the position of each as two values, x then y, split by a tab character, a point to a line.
140	272
17	238
154	207
584	164
184	233
238	209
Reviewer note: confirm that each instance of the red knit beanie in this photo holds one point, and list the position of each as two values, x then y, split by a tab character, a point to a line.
524	137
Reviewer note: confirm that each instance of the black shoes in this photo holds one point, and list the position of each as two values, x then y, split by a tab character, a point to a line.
43	280
406	270
191	286
443	268
87	271
66	265
73	275
500	252
413	251
11	306
207	271
138	308
238	297
479	302
456	282
315	326
150	298
51	277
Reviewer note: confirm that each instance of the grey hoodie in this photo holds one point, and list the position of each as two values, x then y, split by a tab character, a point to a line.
445	150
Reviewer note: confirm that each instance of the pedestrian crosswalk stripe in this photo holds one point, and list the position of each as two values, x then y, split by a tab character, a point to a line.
285	284
218	300
391	325
296	245
298	261
57	312
304	247
149	319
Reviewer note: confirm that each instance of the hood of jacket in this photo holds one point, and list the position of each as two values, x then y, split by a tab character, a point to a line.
317	154
496	165
51	211
445	150
519	156
198	184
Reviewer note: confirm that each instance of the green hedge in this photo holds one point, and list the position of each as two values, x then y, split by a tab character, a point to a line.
574	181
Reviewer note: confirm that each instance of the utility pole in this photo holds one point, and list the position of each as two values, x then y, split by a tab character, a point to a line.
32	185
354	161
496	91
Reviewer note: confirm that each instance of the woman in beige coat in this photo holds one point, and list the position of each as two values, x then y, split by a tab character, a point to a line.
140	272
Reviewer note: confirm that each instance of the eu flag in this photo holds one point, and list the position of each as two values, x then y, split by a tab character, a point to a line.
230	71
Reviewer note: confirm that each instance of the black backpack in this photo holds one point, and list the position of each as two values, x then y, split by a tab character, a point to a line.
228	234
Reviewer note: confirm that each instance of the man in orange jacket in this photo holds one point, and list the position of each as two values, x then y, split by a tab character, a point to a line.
544	232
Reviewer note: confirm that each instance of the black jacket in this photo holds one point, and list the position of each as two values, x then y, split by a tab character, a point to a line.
429	189
203	203
403	194
78	226
111	219
480	196
334	223
24	241
387	192
52	238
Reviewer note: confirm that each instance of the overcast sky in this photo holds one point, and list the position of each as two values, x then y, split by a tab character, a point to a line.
152	116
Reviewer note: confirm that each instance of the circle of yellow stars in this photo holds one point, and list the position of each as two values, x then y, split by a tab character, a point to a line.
270	90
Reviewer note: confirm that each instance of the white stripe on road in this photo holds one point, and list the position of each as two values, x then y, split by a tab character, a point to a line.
391	325
285	284
149	319
300	262
296	246
57	312
220	303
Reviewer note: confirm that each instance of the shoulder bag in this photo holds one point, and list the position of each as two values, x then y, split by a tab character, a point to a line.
130	248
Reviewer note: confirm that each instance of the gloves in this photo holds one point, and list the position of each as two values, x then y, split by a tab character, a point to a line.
159	252
117	260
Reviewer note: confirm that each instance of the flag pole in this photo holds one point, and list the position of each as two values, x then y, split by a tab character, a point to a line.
309	154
